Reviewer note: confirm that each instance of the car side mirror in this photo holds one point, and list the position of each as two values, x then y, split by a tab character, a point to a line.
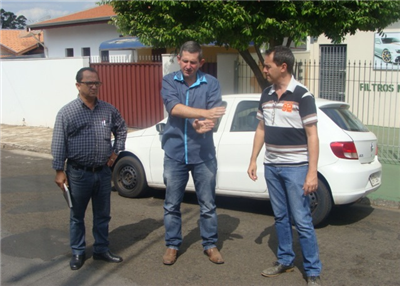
160	128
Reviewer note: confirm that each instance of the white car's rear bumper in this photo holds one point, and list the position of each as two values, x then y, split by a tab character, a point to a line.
352	181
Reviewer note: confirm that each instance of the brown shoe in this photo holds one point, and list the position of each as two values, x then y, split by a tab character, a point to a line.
170	255
214	255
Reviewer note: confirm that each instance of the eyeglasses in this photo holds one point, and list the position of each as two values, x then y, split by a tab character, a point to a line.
92	83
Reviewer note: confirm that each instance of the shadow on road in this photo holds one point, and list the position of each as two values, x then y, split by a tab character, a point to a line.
348	214
125	236
340	215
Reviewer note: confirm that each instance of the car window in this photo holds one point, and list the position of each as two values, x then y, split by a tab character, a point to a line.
219	119
345	119
390	40
245	118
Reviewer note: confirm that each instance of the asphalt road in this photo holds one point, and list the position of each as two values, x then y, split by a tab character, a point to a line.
359	245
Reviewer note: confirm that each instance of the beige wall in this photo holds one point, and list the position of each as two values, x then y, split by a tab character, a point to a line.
359	46
374	94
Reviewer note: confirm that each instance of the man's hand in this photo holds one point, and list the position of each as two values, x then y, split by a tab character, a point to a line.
311	183
112	159
61	179
252	171
203	126
215	113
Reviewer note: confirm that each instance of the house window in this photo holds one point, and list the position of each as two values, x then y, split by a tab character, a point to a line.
86	52
105	56
69	52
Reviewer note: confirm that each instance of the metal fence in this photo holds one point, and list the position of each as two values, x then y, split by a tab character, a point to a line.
371	89
125	59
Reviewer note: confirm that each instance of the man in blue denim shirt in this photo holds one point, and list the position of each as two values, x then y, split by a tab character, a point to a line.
193	102
82	136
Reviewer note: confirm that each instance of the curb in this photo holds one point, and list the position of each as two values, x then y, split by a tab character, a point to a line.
10	146
380	203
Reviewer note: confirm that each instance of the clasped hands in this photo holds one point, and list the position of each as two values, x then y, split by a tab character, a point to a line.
211	116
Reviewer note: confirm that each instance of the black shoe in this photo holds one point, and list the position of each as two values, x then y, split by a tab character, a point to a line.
77	261
314	281
277	269
107	256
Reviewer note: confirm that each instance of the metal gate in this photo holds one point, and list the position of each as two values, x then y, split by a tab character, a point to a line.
133	88
333	72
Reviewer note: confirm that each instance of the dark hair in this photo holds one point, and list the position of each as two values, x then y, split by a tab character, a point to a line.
79	74
191	47
282	55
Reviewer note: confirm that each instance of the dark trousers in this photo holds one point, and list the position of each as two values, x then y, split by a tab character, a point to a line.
86	185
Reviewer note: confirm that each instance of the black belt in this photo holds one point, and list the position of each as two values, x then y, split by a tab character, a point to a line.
88	169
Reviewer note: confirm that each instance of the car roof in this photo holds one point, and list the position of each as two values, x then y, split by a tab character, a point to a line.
320	102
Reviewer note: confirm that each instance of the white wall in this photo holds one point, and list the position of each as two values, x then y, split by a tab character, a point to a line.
226	72
169	64
34	90
85	36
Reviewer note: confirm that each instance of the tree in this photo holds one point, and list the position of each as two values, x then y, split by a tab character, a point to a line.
10	21
234	24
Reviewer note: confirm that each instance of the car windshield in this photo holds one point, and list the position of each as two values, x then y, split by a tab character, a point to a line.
390	40
344	118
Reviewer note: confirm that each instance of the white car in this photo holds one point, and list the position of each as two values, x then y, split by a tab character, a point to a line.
388	49
348	167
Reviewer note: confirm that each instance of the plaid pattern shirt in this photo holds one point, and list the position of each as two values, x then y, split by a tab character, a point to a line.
84	135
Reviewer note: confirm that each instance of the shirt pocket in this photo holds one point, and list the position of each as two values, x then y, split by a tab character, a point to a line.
105	126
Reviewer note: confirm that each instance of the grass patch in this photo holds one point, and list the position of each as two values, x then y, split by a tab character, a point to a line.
388	143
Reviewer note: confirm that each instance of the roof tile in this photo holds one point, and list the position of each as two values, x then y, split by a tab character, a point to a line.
97	12
11	40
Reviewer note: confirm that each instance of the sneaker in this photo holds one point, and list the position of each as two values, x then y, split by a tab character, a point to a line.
277	269
314	281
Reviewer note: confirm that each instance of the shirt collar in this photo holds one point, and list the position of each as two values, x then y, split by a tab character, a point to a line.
84	105
291	86
201	78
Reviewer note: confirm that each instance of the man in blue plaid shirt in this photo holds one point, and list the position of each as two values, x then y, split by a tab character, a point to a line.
82	137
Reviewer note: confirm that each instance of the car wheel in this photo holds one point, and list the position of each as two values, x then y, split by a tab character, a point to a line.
320	203
386	56
129	178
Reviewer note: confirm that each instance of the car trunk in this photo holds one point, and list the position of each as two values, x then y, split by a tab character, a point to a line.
366	145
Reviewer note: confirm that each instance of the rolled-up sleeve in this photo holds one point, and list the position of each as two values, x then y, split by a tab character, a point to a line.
214	98
169	93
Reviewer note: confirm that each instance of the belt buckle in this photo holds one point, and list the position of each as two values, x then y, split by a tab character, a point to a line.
93	169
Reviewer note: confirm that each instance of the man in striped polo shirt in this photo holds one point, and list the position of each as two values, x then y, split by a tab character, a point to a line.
288	128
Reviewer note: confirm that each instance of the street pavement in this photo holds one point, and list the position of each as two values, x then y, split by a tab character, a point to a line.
38	139
359	244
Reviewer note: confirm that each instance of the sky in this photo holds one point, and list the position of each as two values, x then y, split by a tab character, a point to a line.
41	10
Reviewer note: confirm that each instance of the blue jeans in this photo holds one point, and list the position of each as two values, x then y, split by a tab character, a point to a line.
84	186
176	176
285	187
